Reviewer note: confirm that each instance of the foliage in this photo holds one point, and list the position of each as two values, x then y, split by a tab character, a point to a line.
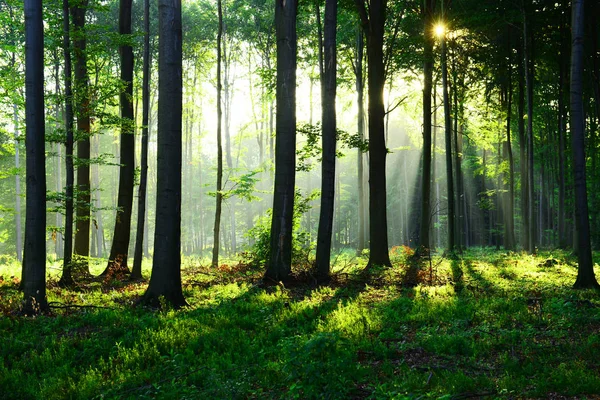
311	148
492	324
302	245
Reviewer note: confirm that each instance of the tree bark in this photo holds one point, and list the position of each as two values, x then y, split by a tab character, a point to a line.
585	272
329	126
219	197
82	224
279	265
373	21
448	138
360	90
165	280
66	278
136	271
529	74
34	260
426	217
117	261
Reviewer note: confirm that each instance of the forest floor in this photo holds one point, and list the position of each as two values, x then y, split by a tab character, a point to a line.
487	325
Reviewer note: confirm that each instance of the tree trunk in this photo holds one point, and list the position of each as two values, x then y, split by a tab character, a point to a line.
219	197
18	226
136	272
34	262
360	89
373	21
448	137
329	126
165	281
66	278
585	272
562	131
509	221
523	151
117	261
279	266
424	242
82	100
529	74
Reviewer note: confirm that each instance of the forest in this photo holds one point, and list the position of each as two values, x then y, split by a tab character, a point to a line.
299	199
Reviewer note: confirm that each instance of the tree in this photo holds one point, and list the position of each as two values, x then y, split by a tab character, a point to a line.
448	138
424	243
279	266
67	277
585	272
373	20
34	260
82	224
219	194
165	280
136	271
529	82
329	126
117	261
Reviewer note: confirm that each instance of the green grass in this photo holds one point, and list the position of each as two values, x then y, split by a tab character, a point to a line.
489	324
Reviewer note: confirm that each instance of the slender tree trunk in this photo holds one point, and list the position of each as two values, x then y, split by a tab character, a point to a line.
117	261
18	227
165	281
424	242
329	124
562	130
219	197
523	151
529	74
82	225
361	134
448	136
34	260
66	278
279	266
373	21
142	226
509	230
585	273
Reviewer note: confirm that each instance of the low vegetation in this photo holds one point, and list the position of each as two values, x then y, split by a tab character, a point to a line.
487	324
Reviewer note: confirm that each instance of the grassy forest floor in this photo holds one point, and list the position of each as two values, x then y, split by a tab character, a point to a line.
490	324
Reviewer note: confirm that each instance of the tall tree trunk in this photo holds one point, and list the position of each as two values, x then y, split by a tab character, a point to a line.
98	223
373	21
117	261
448	137
82	224
66	278
58	239
18	226
34	260
523	150
457	160
424	242
360	89
529	74
136	271
329	126
165	281
509	230
279	265
585	272
219	197
562	131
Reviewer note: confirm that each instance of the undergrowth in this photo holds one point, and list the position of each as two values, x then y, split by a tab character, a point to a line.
489	324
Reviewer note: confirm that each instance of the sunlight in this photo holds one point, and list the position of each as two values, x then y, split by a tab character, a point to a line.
439	29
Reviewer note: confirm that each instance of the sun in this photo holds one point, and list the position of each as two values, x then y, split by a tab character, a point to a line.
439	29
